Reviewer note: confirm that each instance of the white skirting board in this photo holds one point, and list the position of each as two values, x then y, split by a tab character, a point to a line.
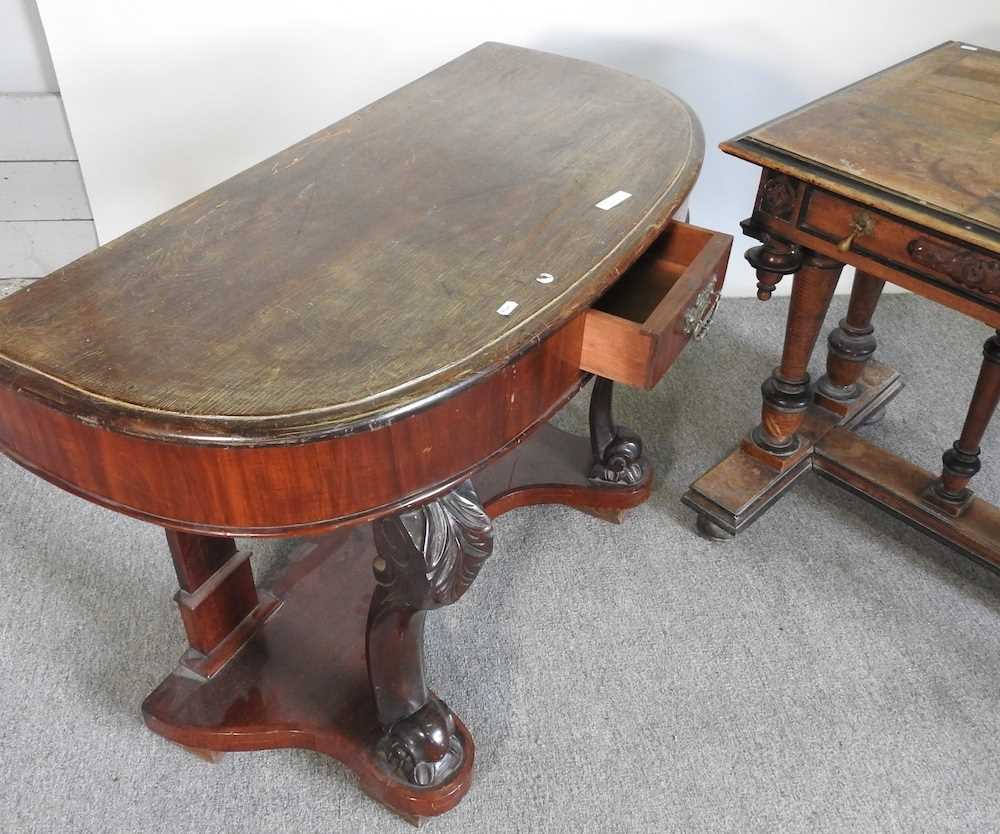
12	285
34	127
34	248
45	218
42	191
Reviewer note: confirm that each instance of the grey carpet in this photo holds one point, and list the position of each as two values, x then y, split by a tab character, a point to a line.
831	671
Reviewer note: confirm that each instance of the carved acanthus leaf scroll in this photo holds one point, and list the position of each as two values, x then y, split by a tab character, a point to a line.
447	542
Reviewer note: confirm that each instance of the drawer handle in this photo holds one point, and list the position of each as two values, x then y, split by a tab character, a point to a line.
861	224
699	315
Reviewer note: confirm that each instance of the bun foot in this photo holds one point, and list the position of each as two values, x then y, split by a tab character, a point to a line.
712	531
873	419
206	755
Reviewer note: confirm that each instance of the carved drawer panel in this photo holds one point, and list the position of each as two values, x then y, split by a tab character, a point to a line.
900	245
635	331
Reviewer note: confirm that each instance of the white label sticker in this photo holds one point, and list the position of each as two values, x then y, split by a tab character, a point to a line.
615	199
970	48
507	308
546	278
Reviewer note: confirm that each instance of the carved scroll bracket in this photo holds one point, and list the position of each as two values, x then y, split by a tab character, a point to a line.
617	451
428	557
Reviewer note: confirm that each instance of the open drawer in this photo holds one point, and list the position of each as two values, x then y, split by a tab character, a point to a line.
635	331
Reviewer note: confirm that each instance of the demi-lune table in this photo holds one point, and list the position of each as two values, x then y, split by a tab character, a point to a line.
898	176
362	340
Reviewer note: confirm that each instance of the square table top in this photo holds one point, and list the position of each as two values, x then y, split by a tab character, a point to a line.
920	139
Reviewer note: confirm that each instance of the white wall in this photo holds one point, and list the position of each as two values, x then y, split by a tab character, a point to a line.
25	66
166	99
44	217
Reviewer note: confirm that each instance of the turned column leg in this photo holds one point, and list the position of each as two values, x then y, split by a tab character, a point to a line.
617	451
786	392
851	345
427	558
961	462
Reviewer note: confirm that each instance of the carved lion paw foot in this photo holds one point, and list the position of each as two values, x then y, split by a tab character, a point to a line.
423	749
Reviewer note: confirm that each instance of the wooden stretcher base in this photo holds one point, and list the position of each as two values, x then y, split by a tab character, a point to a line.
739	489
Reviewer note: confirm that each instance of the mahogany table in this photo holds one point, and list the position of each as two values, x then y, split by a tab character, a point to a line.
899	176
362	339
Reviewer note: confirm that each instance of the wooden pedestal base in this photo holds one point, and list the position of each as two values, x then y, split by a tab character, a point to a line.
298	677
738	490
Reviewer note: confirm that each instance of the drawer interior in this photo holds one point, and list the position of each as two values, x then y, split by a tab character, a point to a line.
636	329
646	283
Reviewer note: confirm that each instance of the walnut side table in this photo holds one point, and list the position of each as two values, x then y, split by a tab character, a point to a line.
899	176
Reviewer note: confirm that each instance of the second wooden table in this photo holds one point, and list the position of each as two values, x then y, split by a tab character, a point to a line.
898	176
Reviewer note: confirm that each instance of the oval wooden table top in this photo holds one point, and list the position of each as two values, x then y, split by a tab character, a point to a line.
358	275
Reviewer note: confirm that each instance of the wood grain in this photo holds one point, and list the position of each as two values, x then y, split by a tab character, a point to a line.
918	140
739	489
315	344
356	275
898	486
295	488
850	345
898	176
824	219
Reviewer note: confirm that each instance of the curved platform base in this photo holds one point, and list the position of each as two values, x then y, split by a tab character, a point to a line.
301	680
298	677
551	467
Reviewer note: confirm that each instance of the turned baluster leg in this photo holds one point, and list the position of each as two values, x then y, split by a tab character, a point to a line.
961	461
617	451
786	392
427	558
851	345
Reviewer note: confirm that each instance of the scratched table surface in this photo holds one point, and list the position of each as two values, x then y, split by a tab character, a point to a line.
921	138
360	272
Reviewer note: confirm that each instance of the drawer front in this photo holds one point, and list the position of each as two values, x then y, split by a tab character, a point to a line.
900	245
639	327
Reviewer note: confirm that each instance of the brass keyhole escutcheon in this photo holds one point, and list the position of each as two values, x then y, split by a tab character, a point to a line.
861	224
